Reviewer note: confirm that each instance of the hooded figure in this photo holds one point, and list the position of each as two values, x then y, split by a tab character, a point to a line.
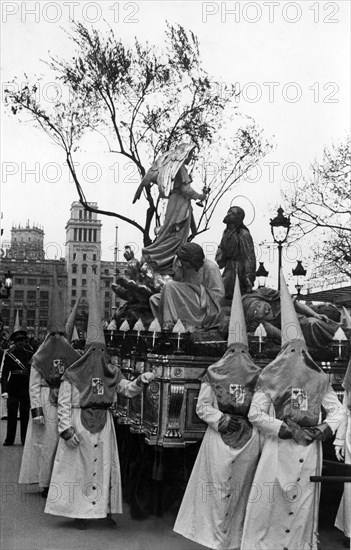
48	365
342	445
87	461
213	508
282	509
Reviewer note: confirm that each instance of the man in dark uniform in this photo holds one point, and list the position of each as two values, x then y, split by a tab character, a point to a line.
15	384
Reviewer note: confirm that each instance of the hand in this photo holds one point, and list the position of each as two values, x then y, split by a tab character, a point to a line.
73	441
340	452
147	377
39	420
284	432
233	424
5	395
300	435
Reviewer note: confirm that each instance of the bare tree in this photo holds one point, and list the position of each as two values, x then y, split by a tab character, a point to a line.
322	205
144	101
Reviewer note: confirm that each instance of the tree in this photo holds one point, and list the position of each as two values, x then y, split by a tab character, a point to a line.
144	101
322	205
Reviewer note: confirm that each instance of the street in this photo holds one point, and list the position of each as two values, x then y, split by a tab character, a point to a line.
24	526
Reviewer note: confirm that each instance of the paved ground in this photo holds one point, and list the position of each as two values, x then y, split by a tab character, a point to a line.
24	526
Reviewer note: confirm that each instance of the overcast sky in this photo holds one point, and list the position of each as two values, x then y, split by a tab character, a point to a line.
290	59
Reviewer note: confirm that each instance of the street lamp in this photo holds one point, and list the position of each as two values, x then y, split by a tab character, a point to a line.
261	275
6	285
280	226
299	272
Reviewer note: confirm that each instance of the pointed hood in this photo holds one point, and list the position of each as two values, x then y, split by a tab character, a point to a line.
55	354
93	375
95	331
293	381
56	314
71	320
290	326
237	327
17	326
75	335
233	377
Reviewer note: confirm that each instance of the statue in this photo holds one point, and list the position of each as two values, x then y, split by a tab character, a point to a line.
135	286
236	252
170	173
263	306
195	294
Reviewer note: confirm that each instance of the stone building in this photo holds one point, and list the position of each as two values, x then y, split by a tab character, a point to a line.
24	258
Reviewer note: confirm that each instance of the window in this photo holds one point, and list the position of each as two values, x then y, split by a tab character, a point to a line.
43	314
84	257
84	292
74	254
43	323
94	257
19	280
94	269
84	269
73	302
19	294
106	271
80	214
5	314
107	305
107	284
74	282
84	282
31	294
74	238
30	314
32	281
74	293
44	295
107	294
44	281
74	268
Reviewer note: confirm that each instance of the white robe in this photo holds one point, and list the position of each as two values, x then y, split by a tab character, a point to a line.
282	510
41	439
86	481
343	437
213	507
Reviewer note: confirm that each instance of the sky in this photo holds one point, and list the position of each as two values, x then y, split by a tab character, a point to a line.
291	60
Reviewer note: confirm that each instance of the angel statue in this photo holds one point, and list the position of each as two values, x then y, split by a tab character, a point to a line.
170	173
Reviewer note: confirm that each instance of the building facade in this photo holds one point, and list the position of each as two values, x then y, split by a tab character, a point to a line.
32	273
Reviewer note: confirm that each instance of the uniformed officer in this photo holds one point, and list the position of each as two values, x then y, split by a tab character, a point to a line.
15	384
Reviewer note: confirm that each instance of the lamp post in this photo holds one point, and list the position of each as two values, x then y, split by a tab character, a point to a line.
261	275
280	226
6	285
299	272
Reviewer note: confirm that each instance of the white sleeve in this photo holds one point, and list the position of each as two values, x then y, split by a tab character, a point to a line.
334	409
207	408
129	388
35	388
64	408
261	415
